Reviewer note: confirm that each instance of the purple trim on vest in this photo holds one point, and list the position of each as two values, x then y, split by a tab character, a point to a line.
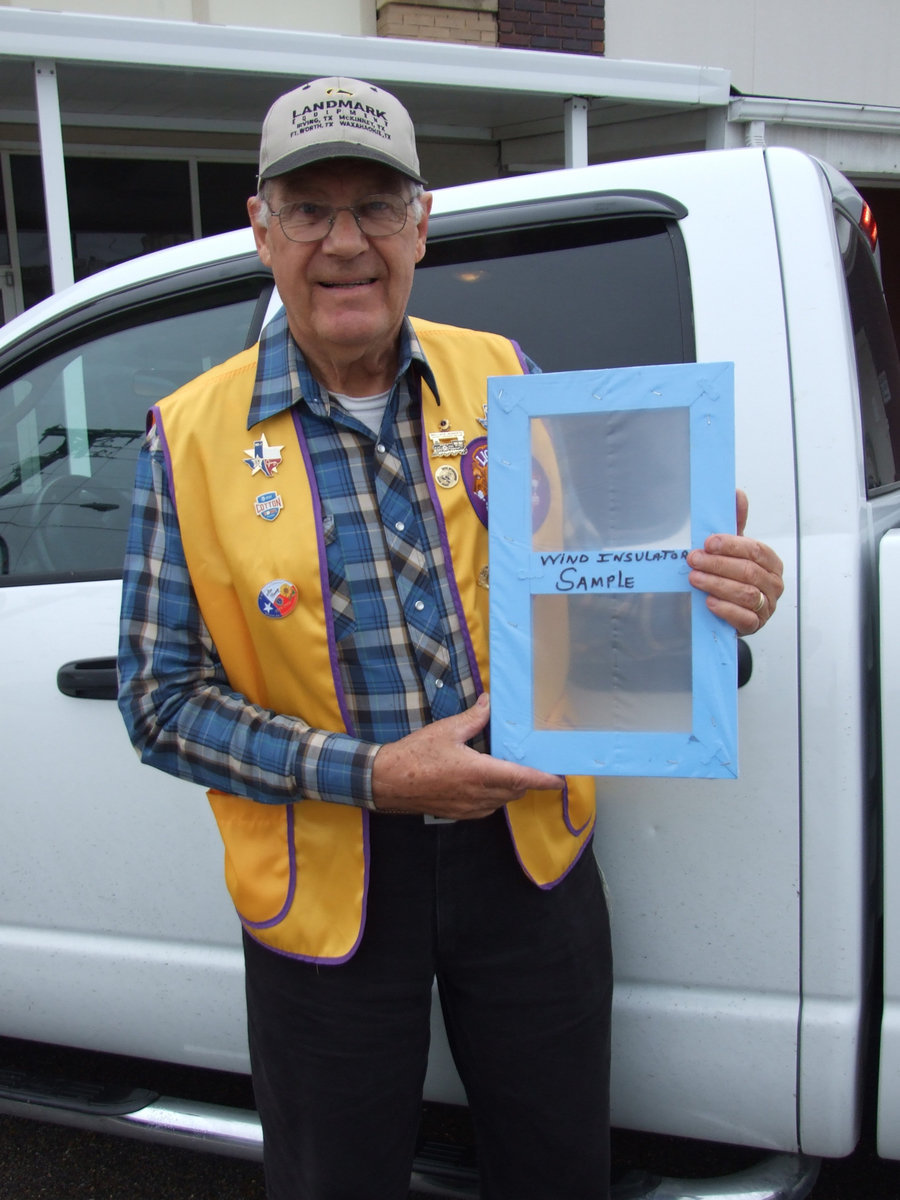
156	415
473	662
545	887
289	809
342	704
323	572
292	883
565	802
448	562
520	354
250	926
311	958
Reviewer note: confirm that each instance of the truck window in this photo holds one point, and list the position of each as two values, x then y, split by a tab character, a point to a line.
72	421
877	364
593	294
586	294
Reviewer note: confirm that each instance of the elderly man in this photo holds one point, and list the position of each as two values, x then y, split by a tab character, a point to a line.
323	674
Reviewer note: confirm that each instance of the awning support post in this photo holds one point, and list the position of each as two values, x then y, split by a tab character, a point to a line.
575	123
56	200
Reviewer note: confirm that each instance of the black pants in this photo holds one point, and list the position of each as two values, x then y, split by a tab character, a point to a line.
525	979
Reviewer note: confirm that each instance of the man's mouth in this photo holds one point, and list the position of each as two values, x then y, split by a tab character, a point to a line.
350	283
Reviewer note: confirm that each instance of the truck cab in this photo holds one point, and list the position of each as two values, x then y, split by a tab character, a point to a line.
746	913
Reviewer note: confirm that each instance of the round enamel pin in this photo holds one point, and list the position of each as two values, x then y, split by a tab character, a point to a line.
278	598
446	476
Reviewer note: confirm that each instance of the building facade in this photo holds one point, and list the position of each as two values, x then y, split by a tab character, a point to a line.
121	132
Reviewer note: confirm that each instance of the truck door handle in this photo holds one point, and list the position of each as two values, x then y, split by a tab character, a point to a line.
745	662
89	679
96	678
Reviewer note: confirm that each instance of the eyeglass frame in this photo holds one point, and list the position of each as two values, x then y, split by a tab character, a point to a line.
350	208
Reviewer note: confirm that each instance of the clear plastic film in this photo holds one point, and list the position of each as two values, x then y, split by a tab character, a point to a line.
603	659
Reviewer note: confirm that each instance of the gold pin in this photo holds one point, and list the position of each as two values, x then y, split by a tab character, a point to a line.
446	476
450	443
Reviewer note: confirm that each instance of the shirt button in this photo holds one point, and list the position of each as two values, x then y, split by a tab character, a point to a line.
381	447
419	605
399	526
439	683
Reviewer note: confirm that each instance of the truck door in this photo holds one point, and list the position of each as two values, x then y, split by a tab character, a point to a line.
661	261
81	819
878	380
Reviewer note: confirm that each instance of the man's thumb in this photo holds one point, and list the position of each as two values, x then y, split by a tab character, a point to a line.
474	719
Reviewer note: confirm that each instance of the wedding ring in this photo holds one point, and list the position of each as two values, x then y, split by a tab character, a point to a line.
758	607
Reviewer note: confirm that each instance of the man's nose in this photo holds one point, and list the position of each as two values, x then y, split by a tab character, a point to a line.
345	231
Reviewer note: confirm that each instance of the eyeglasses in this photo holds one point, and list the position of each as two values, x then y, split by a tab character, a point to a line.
376	216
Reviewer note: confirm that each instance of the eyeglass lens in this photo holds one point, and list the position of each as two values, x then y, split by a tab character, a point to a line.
376	216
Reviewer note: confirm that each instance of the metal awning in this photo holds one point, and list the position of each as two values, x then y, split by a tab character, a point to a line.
65	71
485	80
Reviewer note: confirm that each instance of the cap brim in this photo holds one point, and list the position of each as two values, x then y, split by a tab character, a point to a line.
328	150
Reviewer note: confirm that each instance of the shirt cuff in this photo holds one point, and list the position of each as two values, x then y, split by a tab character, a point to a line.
336	768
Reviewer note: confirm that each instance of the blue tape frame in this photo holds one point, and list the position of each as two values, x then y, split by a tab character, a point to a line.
519	573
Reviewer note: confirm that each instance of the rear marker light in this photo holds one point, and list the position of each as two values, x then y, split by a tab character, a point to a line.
868	226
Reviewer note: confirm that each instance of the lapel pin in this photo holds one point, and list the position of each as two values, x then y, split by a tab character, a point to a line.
278	598
268	505
263	457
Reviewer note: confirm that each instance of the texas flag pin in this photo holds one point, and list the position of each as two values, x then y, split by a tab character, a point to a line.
263	457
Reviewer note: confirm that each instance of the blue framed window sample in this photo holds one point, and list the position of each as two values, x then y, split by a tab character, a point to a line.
604	659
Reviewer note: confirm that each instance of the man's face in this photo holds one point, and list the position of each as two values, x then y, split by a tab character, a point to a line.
346	295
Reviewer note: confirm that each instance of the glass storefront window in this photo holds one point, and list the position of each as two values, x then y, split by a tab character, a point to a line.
224	188
120	208
31	227
4	232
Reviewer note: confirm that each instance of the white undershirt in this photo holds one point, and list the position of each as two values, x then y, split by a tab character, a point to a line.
368	409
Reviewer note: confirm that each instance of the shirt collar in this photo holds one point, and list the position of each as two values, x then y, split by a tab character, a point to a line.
283	378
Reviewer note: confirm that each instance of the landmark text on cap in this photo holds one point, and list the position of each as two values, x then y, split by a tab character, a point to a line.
337	118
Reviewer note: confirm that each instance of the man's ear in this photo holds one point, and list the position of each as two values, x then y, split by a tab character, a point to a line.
260	230
422	225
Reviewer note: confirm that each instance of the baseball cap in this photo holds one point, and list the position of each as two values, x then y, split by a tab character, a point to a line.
337	118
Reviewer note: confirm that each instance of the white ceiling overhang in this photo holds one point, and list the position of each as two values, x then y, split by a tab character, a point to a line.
61	71
862	140
115	70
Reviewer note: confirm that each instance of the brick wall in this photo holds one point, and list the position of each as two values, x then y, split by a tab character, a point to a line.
575	26
470	21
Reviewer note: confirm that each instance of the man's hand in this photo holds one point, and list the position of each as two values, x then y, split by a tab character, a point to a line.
433	771
742	577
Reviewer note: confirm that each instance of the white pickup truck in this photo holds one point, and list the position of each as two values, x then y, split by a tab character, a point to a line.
746	914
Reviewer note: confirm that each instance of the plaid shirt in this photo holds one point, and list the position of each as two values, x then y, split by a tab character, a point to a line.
401	651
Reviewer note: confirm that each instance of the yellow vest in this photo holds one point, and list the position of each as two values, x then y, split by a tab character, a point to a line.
298	872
